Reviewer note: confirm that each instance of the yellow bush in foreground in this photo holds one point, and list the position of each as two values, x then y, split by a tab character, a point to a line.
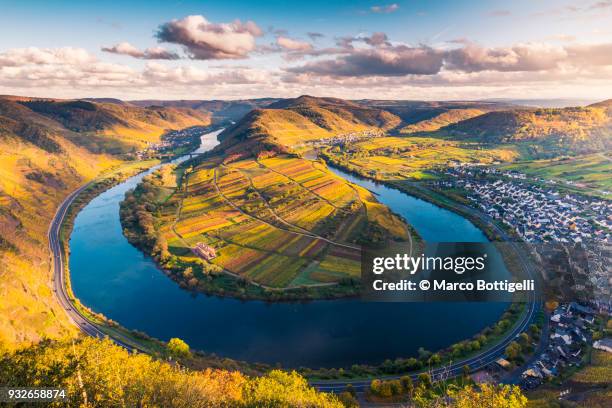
97	373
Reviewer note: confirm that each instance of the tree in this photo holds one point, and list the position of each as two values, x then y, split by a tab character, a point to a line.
534	330
425	380
466	371
407	384
488	396
178	348
524	339
423	354
435	359
99	373
513	351
348	400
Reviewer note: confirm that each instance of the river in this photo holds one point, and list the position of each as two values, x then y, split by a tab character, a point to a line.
112	277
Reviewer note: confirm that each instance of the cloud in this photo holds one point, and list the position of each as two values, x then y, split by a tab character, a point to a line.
76	69
45	56
290	44
602	4
397	61
520	57
126	48
591	54
389	8
384	59
205	40
63	67
158	73
377	39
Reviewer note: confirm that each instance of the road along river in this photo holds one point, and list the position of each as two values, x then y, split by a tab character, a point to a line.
114	278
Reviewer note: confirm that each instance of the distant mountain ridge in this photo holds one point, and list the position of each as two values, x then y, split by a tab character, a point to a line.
546	131
219	110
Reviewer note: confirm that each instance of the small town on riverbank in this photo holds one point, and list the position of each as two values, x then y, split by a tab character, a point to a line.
535	213
171	141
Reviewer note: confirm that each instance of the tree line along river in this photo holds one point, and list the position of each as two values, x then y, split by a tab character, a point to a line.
112	277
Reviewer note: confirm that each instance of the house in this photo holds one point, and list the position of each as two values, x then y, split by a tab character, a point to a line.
503	363
604	344
204	251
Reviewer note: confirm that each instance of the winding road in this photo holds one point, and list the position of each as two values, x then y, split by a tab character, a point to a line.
476	362
59	277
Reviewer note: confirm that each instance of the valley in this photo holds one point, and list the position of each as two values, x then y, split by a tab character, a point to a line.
261	217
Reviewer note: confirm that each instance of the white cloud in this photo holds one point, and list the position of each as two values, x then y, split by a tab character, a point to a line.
205	40
125	48
44	56
293	45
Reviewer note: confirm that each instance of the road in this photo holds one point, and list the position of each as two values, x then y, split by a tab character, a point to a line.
476	362
455	369
59	276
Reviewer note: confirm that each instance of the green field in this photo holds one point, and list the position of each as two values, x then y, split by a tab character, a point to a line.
281	222
417	158
591	173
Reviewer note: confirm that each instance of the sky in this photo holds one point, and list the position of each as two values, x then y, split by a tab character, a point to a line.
424	50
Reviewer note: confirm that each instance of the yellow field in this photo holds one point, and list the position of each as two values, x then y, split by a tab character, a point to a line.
279	222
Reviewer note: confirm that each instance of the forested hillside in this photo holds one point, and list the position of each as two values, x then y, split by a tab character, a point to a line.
555	131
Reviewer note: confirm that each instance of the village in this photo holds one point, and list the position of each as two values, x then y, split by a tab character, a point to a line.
347	138
570	333
170	141
533	212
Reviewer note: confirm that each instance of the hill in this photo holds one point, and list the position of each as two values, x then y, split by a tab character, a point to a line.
441	120
106	127
549	131
218	109
48	148
413	112
293	121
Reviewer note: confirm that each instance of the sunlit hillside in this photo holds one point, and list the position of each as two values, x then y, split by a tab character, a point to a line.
443	119
108	127
47	150
572	130
293	121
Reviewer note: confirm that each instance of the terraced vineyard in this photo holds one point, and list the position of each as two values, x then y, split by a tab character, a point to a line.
279	222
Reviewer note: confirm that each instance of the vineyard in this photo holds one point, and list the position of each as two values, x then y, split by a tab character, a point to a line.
412	157
280	222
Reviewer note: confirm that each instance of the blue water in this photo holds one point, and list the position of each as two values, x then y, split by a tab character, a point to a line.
433	223
112	277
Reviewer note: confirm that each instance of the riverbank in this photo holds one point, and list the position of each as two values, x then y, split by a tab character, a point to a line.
126	286
308	233
494	232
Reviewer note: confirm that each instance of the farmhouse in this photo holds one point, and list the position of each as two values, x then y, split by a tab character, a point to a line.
204	251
